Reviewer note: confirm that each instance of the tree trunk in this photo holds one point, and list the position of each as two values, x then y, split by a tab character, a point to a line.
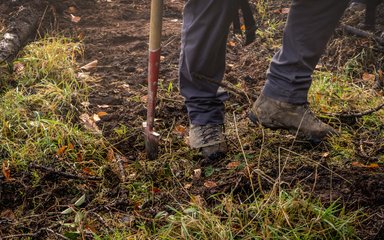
22	27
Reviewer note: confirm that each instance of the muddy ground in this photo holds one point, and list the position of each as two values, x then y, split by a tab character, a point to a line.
116	34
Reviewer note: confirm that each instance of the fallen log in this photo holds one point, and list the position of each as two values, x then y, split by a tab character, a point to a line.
22	27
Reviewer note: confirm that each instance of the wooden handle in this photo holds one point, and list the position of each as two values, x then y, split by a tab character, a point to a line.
156	24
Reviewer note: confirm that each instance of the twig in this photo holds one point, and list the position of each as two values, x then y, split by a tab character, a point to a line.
18	236
63	174
120	161
356	115
362	33
35	234
55	233
223	85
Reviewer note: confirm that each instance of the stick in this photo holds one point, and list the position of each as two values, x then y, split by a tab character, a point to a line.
35	234
362	33
223	85
359	114
63	174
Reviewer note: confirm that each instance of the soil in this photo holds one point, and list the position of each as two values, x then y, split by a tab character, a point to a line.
115	33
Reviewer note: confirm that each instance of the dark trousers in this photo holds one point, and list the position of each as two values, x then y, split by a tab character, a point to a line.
204	35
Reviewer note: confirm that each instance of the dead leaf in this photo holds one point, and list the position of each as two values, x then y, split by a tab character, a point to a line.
90	65
188	185
180	130
8	213
373	165
6	170
79	157
357	164
370	166
102	114
325	154
197	173
75	19
96	117
88	171
155	190
70	146
89	123
83	75
282	11
144	99
233	165
231	44
61	150
111	155
210	184
368	77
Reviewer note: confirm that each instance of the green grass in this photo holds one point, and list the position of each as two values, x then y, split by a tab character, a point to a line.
278	215
37	117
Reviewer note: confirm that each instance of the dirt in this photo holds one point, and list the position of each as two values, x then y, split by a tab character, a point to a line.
116	34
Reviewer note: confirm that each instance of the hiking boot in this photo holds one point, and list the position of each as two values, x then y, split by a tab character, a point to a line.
209	139
299	119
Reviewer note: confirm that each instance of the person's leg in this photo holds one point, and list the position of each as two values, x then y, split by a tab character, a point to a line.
249	21
283	102
204	39
309	27
236	22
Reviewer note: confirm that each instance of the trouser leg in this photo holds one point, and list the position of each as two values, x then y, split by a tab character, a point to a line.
309	26
249	20
236	21
204	36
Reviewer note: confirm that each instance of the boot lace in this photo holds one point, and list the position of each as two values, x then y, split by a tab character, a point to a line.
210	133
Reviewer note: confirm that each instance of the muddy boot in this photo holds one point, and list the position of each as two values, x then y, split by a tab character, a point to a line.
209	139
274	114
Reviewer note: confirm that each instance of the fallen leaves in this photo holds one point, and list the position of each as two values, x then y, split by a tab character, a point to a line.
6	170
197	174
64	148
180	130
75	19
210	184
90	66
102	114
369	166
368	77
233	165
282	11
89	123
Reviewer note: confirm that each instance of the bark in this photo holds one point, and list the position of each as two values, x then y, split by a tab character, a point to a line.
22	27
